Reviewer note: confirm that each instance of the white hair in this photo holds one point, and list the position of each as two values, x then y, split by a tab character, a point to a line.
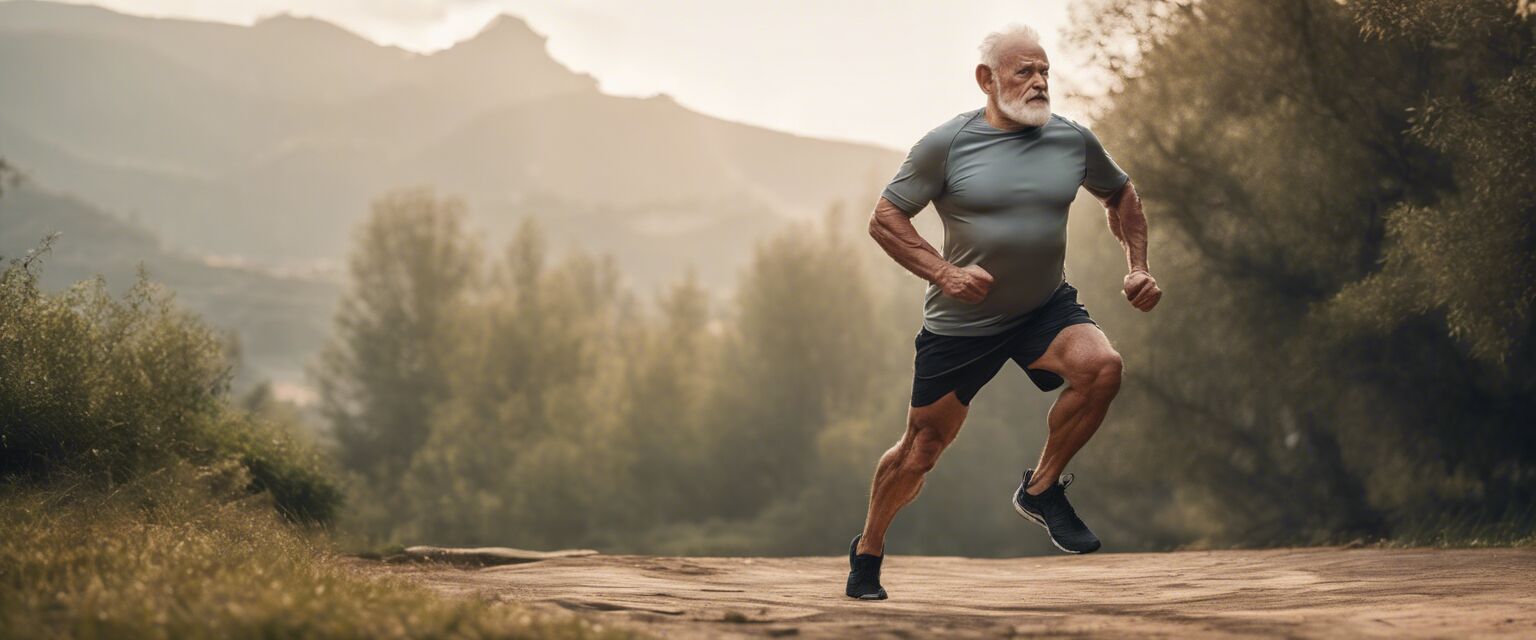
992	45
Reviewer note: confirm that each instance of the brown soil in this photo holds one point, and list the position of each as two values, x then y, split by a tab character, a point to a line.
1318	592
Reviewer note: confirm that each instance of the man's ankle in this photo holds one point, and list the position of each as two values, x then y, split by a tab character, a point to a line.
865	548
1038	484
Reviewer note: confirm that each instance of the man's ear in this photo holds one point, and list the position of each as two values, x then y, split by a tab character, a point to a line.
984	78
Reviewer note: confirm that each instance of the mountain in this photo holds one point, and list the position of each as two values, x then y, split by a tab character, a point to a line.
267	142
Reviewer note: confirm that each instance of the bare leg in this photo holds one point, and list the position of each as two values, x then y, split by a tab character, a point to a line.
1081	355
899	475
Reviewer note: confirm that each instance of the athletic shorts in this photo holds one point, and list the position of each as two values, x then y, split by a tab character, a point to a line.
964	364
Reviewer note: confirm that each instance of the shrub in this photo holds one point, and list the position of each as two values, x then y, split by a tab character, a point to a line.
103	390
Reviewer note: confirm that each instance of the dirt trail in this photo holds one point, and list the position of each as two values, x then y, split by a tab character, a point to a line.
1326	592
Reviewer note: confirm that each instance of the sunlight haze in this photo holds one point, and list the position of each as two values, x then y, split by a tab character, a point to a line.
864	71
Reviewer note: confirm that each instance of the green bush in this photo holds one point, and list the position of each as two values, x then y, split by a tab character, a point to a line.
102	390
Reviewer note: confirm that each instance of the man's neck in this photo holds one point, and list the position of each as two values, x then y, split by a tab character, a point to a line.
996	118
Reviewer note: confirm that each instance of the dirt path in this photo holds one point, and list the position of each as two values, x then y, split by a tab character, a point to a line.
1290	592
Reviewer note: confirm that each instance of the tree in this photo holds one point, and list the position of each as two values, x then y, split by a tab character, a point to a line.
802	347
1342	193
1467	251
520	452
386	369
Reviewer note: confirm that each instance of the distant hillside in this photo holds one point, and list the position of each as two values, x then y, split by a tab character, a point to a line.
268	141
281	320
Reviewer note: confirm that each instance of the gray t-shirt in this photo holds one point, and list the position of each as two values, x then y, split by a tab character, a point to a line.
1003	198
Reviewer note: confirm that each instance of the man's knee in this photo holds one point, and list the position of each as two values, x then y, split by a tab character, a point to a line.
925	442
1098	372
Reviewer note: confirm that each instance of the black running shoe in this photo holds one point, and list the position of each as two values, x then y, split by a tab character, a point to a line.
863	573
1051	510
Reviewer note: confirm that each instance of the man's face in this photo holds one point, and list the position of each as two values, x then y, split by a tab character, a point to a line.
1019	84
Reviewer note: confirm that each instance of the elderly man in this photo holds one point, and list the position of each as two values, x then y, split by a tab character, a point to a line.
1001	178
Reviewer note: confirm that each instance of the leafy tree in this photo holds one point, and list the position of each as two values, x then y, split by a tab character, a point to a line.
799	354
518	452
669	366
1341	197
1467	251
386	369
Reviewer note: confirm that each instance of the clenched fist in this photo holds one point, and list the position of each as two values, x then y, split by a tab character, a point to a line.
1141	289
966	284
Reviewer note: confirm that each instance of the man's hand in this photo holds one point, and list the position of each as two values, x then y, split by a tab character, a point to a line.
966	284
1141	289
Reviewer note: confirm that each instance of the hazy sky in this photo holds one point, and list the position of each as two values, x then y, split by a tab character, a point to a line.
881	71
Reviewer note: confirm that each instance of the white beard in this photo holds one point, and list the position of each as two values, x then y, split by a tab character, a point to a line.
1026	113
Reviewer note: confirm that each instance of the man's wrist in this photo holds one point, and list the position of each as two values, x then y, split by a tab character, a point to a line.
938	272
1141	269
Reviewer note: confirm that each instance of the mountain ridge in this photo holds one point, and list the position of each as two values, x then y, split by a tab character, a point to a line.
228	140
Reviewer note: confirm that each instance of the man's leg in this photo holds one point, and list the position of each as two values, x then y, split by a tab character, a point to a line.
1081	355
899	475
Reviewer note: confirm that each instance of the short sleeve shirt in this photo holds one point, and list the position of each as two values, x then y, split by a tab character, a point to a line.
1003	198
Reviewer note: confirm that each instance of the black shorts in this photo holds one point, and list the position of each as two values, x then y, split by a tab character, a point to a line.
963	364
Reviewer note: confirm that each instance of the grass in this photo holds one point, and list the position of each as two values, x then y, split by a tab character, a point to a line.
168	557
1460	530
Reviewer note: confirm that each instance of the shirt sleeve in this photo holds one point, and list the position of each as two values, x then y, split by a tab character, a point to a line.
921	177
1101	176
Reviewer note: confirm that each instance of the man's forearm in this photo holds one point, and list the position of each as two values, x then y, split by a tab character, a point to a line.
1129	225
892	229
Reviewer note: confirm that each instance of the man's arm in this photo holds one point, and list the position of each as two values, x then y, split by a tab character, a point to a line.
892	229
1129	225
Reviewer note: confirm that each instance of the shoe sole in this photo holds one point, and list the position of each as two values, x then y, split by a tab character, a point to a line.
1013	499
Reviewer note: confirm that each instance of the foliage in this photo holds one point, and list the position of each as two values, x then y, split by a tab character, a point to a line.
1341	196
101	390
1465	250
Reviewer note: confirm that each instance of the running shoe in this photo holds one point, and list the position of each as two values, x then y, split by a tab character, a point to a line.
864	573
1051	510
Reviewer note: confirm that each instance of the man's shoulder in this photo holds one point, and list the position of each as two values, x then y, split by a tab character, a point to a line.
1074	125
968	115
1082	131
934	146
947	129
